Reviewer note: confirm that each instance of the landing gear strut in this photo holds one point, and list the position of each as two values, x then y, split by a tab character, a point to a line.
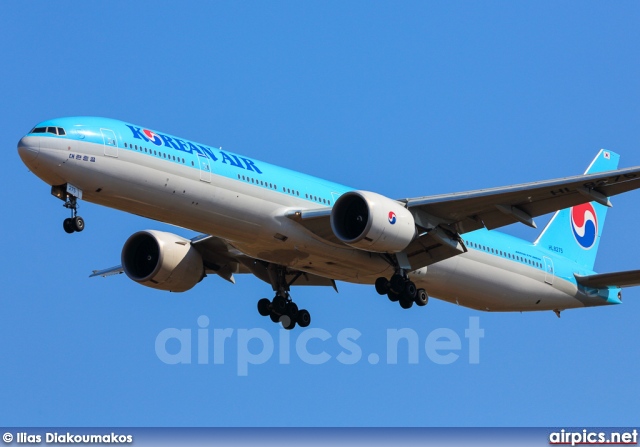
401	289
64	192
282	309
75	222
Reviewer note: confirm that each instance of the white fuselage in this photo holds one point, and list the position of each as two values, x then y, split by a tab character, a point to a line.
252	218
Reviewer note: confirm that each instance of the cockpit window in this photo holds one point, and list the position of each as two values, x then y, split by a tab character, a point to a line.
52	130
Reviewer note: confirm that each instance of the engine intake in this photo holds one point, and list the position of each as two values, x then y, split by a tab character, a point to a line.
162	261
372	222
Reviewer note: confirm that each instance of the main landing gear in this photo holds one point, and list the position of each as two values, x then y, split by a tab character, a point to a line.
75	222
401	289
282	309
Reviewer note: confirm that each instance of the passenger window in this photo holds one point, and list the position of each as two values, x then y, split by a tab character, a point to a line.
125	144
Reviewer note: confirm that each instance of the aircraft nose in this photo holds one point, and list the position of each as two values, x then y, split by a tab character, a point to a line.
28	148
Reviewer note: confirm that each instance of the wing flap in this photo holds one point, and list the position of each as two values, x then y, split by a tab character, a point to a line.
429	249
628	278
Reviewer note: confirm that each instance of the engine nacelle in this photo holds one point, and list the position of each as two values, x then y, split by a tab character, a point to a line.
372	222
162	260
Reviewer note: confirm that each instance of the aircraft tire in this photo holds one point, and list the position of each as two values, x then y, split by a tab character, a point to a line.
78	223
304	318
410	290
397	283
279	304
405	303
291	311
421	298
291	325
382	286
67	224
264	307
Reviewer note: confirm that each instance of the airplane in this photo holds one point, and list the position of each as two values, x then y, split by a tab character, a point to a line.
290	229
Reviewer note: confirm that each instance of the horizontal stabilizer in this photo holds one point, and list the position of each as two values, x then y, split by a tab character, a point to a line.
107	272
629	278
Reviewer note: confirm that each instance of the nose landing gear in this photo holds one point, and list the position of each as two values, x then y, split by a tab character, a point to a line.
75	222
70	195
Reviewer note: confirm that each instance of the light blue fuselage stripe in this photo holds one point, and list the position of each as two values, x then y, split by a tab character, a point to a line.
223	163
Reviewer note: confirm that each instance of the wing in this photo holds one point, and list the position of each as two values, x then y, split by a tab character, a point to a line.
224	260
497	207
629	278
441	219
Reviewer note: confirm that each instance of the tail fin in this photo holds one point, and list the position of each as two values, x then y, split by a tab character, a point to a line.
576	231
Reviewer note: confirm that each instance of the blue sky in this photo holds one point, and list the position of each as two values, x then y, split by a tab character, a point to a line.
405	99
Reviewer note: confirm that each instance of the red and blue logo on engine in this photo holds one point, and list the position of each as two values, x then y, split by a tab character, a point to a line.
584	225
155	139
392	217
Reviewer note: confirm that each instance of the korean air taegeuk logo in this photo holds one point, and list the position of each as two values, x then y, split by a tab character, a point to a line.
584	225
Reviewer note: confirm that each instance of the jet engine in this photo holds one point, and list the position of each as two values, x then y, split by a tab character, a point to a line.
162	261
372	222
